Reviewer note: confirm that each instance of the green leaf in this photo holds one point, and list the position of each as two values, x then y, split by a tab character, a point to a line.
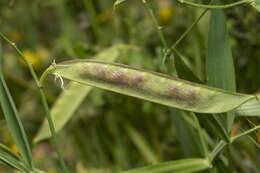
73	96
183	70
11	159
13	121
151	86
219	62
178	166
256	5
214	126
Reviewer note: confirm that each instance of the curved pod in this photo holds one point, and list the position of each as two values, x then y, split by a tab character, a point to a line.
151	86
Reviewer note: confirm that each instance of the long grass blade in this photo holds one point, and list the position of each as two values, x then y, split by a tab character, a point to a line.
219	61
178	166
13	121
11	159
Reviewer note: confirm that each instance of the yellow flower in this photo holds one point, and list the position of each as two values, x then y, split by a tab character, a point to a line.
32	57
166	14
14	148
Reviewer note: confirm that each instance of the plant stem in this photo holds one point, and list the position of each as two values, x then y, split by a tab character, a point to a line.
44	101
216	151
166	51
216	6
189	29
245	133
156	23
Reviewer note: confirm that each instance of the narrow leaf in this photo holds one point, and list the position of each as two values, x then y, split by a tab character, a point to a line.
183	70
72	97
219	61
7	151
13	121
178	166
11	159
151	86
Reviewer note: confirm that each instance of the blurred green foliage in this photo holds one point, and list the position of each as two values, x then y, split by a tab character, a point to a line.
98	139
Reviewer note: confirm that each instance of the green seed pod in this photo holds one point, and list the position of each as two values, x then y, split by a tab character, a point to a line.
151	86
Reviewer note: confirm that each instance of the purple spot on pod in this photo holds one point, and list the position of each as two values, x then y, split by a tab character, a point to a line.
182	96
118	76
137	80
173	92
192	96
100	71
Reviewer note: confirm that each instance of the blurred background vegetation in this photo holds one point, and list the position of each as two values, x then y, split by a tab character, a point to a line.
109	131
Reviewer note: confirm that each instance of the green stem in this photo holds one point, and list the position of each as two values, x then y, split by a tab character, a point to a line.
44	101
216	6
189	29
52	129
216	151
245	133
50	69
156	23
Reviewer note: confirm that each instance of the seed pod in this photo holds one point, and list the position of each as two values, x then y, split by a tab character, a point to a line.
151	86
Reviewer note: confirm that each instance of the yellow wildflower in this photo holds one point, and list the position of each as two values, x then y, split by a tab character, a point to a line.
14	148
166	14
32	57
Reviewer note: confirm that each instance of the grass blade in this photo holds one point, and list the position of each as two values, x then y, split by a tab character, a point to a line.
151	86
178	166
11	159
13	121
219	61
